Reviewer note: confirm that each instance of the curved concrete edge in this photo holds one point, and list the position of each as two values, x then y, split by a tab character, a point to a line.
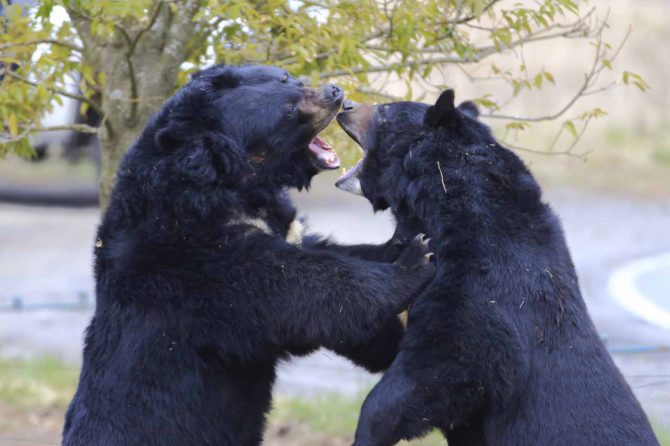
623	289
52	196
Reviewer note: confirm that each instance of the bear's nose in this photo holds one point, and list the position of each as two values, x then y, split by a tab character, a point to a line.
348	105
332	92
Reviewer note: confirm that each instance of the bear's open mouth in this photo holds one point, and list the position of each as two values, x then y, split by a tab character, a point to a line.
323	154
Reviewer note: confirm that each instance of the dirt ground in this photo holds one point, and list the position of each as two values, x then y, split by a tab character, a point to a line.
43	427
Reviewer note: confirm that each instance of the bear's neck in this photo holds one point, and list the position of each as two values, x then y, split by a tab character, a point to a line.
204	214
469	215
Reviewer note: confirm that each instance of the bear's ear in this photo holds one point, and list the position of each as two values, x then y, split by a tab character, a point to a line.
230	160
167	139
206	71
469	108
220	76
228	77
442	112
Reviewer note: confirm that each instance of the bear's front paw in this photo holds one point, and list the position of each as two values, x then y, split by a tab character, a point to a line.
414	271
416	255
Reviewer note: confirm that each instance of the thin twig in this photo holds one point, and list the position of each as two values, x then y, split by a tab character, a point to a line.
381	94
477	56
62	43
60	92
81	128
550	117
27	130
567	152
472	17
139	34
444	186
589	80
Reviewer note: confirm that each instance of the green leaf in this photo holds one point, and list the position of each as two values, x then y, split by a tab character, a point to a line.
598	113
636	79
12	125
550	77
484	101
570	127
517	125
569	5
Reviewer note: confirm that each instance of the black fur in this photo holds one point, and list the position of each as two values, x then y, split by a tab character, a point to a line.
199	295
500	349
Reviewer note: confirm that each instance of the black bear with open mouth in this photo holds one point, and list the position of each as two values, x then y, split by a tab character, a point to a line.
202	281
500	349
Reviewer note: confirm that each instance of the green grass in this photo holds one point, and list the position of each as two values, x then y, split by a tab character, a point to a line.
333	414
49	383
662	433
337	415
38	383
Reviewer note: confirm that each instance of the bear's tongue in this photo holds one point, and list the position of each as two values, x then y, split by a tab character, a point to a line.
324	155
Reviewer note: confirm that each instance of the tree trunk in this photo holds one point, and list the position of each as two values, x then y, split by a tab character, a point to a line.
141	67
112	147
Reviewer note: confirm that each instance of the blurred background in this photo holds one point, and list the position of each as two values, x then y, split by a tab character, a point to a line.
611	190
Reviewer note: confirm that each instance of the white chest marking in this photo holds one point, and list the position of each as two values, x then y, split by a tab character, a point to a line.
293	236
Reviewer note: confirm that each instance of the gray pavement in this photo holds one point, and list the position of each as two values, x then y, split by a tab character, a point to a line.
46	255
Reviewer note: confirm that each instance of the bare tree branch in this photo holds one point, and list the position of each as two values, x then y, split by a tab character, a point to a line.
132	117
131	44
470	18
181	31
589	79
550	117
82	128
574	29
384	30
568	152
378	93
57	91
4	139
477	56
151	23
62	43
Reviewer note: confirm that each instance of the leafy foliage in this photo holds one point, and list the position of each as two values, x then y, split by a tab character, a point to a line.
360	44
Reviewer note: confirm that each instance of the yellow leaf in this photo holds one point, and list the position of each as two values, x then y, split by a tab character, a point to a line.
13	127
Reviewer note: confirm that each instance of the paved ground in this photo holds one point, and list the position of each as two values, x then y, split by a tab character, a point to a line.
45	258
656	285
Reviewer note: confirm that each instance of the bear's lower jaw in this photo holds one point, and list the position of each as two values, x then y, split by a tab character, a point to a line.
323	155
349	181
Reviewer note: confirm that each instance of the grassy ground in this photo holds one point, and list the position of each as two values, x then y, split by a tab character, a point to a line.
34	395
33	398
334	414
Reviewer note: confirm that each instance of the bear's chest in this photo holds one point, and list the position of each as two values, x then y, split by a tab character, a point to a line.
291	232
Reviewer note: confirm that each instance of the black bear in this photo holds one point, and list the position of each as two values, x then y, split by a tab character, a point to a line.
200	291
500	349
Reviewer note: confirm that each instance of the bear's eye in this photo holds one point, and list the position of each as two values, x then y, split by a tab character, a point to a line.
291	110
284	78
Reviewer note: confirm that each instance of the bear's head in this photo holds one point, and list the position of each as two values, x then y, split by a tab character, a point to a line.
254	124
230	134
387	132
